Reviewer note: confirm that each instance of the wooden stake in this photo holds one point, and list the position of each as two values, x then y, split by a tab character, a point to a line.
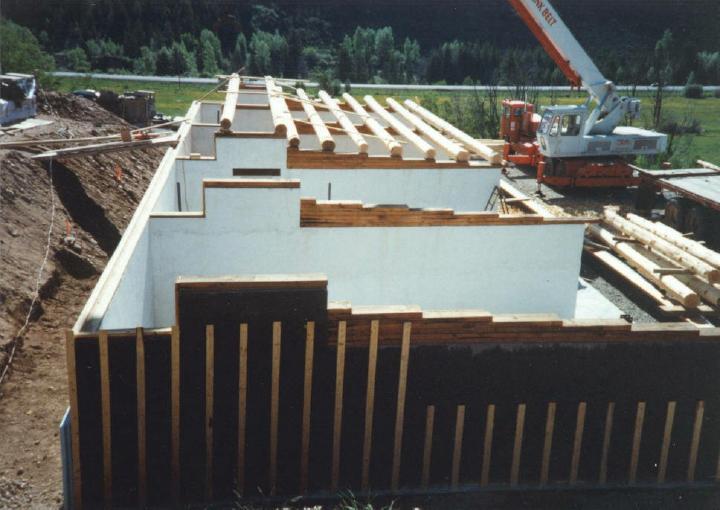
74	418
427	447
337	420
307	402
400	412
457	447
175	411
517	445
637	437
487	445
141	423
209	407
695	442
274	404
370	402
667	434
607	436
547	445
106	426
577	442
242	407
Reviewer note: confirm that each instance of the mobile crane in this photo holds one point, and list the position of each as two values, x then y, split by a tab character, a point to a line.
574	146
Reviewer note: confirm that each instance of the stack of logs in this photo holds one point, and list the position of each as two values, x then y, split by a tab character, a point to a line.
660	261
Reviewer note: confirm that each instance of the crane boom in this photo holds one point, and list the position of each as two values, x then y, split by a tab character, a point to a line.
560	44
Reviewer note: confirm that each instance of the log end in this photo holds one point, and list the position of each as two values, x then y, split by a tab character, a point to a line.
281	130
396	150
691	300
225	124
363	148
430	153
462	156
294	141
713	276
328	145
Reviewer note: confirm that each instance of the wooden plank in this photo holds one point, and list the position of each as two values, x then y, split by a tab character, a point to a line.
547	444
242	407
76	475
141	421
106	426
400	411
337	418
427	445
637	438
209	407
370	402
487	445
457	446
517	445
695	441
274	404
577	442
307	405
175	412
667	435
607	437
104	148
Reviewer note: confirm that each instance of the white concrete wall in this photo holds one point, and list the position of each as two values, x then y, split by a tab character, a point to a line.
132	302
503	269
202	139
209	113
253	120
252	97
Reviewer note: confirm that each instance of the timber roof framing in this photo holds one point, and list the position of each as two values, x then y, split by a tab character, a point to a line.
407	133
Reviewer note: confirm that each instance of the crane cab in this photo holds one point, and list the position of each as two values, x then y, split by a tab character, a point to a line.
561	131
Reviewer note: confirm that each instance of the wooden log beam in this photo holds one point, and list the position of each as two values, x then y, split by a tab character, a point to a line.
708	165
344	122
444	126
665	248
673	236
88	150
231	98
424	147
326	140
374	126
456	151
282	118
646	267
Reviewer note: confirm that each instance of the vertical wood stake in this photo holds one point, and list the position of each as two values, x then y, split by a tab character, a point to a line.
400	411
517	445
667	436
307	403
141	423
274	404
242	407
427	447
337	419
547	445
457	447
487	445
106	427
370	402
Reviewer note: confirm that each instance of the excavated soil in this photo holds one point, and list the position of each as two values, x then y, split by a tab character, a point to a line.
93	201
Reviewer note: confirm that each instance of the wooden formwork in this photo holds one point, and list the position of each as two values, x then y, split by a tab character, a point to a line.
387	401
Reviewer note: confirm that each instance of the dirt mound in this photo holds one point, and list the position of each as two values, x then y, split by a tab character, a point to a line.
71	214
69	106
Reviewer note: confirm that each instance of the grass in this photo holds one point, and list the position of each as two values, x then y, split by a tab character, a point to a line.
459	108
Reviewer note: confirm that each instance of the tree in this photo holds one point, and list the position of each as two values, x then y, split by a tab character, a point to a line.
20	51
661	72
146	63
76	60
239	55
208	53
164	61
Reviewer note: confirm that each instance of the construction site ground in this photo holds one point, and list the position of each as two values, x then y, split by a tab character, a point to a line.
93	198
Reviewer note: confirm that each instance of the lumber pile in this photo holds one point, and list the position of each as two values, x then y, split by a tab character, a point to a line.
659	261
353	213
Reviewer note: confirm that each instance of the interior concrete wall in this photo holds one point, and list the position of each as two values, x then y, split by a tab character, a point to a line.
502	269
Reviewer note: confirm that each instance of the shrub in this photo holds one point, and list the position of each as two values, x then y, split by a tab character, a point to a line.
693	91
717	92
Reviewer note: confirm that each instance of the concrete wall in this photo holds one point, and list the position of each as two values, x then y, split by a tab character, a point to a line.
503	269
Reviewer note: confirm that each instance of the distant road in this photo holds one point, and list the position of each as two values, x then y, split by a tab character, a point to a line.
193	80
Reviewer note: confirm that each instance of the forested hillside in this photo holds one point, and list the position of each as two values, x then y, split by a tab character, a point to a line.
424	41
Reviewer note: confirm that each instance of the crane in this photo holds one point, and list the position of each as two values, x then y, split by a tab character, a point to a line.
575	145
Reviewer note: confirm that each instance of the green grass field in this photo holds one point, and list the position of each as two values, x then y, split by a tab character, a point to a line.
460	108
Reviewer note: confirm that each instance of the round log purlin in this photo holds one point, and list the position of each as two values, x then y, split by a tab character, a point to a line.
344	121
460	135
665	248
673	236
375	127
281	113
231	98
424	147
646	267
326	140
456	151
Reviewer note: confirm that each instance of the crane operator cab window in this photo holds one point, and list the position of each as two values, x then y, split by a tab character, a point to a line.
555	127
570	125
545	123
